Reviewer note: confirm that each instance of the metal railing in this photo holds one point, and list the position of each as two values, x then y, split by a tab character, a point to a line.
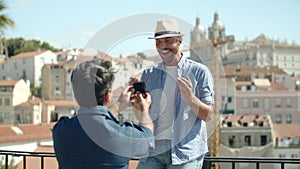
208	161
25	154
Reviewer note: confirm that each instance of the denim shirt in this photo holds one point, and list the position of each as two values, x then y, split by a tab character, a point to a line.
189	132
96	139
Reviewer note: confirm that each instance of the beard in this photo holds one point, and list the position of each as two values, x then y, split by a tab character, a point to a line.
168	56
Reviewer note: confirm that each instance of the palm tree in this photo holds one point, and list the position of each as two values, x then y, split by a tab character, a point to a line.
5	22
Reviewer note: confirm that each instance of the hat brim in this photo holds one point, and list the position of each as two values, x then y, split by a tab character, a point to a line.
165	36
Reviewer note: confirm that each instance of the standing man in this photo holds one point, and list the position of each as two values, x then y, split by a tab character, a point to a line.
182	102
95	138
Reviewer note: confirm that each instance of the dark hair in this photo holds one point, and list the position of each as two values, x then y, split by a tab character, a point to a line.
91	80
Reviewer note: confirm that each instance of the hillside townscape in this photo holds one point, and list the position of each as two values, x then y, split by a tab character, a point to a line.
258	90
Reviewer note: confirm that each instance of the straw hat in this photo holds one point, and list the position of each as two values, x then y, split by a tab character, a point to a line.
166	28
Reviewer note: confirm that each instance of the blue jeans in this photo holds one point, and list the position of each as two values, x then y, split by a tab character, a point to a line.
164	160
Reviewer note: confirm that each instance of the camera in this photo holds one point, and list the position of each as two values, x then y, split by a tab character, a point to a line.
139	87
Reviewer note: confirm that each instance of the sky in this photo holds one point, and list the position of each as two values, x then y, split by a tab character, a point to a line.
75	23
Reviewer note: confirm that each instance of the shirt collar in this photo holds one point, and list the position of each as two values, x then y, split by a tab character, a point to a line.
93	110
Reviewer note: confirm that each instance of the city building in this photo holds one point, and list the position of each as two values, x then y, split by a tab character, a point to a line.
263	97
287	142
27	65
12	93
53	110
56	81
260	90
264	51
26	137
261	51
128	67
29	111
246	136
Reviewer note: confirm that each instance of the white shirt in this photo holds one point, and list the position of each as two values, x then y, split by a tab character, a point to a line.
165	120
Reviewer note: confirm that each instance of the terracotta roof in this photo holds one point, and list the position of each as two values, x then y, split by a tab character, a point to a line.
102	55
66	64
27	54
287	130
273	87
63	103
239	83
252	120
277	87
31	101
28	133
8	82
246	70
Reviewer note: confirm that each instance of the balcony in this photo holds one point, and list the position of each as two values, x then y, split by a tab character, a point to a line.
46	158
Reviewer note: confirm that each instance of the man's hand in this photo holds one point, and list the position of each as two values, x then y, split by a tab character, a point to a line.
141	105
124	99
185	88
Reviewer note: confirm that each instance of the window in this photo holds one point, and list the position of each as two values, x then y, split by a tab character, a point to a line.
6	102
255	103
278	118
6	115
54	116
294	155
278	102
244	103
263	140
288	118
229	99
248	140
231	141
57	79
288	102
24	73
1	117
57	91
0	101
27	118
281	155
267	104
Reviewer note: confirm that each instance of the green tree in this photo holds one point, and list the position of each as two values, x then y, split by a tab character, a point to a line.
5	22
14	45
142	55
19	45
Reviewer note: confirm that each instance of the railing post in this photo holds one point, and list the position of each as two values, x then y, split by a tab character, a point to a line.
282	165
42	162
233	165
24	162
257	165
6	161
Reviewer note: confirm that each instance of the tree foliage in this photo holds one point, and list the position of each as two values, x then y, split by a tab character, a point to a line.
5	21
142	55
10	165
19	45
